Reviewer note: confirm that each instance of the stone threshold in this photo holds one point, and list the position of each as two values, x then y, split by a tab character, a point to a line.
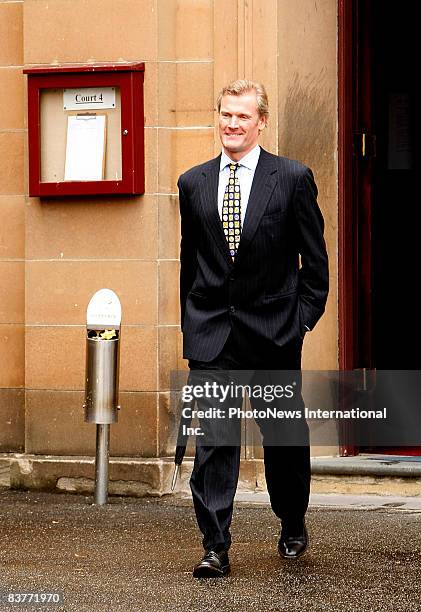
139	477
389	475
368	465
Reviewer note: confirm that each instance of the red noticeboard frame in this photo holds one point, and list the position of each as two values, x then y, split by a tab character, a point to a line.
129	78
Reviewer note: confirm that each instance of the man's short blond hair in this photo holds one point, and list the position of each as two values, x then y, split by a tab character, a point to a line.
243	86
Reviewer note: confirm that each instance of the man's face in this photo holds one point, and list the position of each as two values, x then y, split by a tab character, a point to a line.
239	124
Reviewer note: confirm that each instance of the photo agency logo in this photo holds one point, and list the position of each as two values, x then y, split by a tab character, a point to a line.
376	408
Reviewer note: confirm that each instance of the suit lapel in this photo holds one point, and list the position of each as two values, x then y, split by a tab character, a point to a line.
209	199
262	187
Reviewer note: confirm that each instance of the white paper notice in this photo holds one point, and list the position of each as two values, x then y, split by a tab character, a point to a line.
85	148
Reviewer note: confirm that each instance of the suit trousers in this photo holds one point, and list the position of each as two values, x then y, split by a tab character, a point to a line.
285	442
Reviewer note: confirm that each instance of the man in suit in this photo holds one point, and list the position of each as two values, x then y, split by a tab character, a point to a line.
253	281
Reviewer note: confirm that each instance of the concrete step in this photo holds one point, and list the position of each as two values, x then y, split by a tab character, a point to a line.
367	474
137	477
4	476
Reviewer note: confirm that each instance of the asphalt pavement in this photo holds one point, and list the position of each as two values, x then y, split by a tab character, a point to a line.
138	554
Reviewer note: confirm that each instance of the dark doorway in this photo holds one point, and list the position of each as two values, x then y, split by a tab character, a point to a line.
380	212
396	205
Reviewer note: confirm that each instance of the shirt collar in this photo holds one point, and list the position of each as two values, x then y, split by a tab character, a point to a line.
249	161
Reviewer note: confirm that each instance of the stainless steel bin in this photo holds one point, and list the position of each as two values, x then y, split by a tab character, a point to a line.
103	320
102	378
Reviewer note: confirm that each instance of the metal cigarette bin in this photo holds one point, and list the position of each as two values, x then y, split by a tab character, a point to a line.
102	377
101	385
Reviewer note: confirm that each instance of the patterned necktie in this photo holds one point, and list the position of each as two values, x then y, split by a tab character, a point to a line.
231	211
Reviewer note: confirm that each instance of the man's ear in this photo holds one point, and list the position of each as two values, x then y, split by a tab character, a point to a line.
262	123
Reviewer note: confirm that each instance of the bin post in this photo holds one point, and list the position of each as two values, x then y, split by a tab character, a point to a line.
102	378
101	464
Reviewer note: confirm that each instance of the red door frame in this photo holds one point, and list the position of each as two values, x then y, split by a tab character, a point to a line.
347	305
355	170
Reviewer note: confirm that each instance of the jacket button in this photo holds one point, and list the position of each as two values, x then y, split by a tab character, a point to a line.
232	309
232	278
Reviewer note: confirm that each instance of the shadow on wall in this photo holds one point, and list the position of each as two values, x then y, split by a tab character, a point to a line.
308	126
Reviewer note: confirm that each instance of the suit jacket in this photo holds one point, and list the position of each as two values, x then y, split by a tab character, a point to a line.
266	296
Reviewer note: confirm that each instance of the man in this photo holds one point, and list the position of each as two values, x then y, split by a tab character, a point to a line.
247	217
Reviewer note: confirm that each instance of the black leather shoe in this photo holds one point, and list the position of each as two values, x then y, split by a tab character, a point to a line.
292	545
213	565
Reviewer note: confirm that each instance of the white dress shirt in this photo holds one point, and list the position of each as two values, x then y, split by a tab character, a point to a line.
245	173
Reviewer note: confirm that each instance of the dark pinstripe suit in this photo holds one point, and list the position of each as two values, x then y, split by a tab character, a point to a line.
261	304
